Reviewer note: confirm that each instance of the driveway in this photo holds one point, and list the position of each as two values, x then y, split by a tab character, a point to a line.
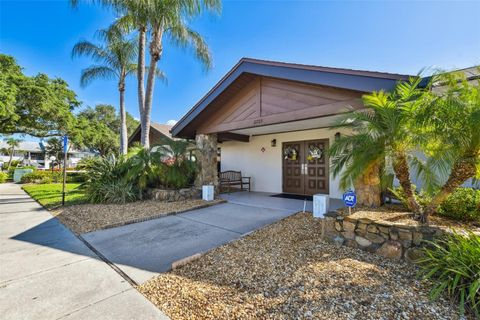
144	249
46	272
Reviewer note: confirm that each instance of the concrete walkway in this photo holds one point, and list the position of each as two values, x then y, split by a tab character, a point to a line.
48	273
142	250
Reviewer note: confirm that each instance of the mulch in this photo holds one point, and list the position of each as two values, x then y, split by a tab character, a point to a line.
91	217
285	271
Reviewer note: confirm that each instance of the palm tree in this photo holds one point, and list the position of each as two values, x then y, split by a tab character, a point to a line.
380	139
116	60
452	121
12	145
162	19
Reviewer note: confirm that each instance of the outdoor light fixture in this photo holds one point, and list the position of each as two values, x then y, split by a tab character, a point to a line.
274	143
337	136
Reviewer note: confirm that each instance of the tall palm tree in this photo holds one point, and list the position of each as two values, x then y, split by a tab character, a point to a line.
13	144
115	60
167	19
380	138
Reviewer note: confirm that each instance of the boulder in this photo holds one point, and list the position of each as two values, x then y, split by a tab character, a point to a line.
375	238
362	241
413	254
391	249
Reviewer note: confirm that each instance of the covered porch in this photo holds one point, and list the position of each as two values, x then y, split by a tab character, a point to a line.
272	121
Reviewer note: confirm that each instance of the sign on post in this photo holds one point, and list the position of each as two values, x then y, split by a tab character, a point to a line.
350	199
65	153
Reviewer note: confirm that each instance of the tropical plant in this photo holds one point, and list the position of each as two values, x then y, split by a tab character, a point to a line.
176	170
450	119
109	181
380	138
453	264
13	145
115	60
144	168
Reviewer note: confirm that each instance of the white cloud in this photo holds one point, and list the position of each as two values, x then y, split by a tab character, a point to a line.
171	122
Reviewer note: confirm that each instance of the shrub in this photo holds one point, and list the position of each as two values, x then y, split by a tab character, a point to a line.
3	177
109	181
463	204
422	197
453	264
37	177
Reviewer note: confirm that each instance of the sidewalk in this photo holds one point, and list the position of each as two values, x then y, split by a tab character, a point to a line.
48	273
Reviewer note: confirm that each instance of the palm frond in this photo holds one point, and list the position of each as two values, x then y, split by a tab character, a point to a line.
96	72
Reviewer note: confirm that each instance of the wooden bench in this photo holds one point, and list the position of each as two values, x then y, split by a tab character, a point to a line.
233	178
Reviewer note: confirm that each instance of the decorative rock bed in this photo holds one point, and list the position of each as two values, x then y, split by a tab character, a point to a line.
171	195
385	237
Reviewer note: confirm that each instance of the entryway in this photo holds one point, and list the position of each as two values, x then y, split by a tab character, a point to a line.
305	167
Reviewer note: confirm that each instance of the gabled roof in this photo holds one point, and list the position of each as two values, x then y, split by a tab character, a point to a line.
364	81
162	129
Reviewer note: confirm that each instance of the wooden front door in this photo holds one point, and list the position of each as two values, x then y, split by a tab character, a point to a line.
307	172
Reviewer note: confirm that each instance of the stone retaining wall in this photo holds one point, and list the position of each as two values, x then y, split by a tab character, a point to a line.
386	238
167	195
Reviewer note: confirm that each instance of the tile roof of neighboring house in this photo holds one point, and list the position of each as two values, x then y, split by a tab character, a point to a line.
32	146
37	146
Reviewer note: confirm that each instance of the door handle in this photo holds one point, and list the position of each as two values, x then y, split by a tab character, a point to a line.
305	168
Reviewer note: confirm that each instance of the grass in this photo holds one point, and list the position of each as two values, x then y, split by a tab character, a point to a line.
50	195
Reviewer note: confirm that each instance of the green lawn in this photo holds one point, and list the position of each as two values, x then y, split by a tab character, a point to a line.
50	195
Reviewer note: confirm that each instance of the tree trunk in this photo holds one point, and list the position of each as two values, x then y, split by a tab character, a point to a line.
402	172
368	188
141	72
123	120
155	54
11	158
462	171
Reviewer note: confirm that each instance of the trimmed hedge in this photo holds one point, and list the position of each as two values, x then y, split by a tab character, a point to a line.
3	177
42	177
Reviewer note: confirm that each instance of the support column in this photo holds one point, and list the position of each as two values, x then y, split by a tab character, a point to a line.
368	188
207	160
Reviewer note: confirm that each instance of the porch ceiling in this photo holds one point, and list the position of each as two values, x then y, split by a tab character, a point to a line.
307	124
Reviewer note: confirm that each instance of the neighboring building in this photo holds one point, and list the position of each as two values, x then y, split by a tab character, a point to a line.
272	121
158	133
33	153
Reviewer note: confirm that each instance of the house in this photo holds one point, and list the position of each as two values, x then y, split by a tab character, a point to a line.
271	121
34	153
158	133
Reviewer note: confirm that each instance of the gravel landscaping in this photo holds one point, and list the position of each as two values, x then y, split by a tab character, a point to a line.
90	217
285	271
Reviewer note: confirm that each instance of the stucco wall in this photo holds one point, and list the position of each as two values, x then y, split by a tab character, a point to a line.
265	168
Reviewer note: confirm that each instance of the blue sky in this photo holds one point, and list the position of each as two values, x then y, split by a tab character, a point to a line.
399	37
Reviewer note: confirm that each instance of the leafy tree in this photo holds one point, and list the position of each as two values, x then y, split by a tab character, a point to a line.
38	105
380	138
13	144
54	147
100	127
115	60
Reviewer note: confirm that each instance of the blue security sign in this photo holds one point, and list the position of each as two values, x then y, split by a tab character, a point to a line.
350	198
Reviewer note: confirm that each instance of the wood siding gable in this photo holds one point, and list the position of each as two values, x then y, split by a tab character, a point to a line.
266	101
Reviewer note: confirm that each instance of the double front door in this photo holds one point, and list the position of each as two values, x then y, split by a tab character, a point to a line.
305	167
